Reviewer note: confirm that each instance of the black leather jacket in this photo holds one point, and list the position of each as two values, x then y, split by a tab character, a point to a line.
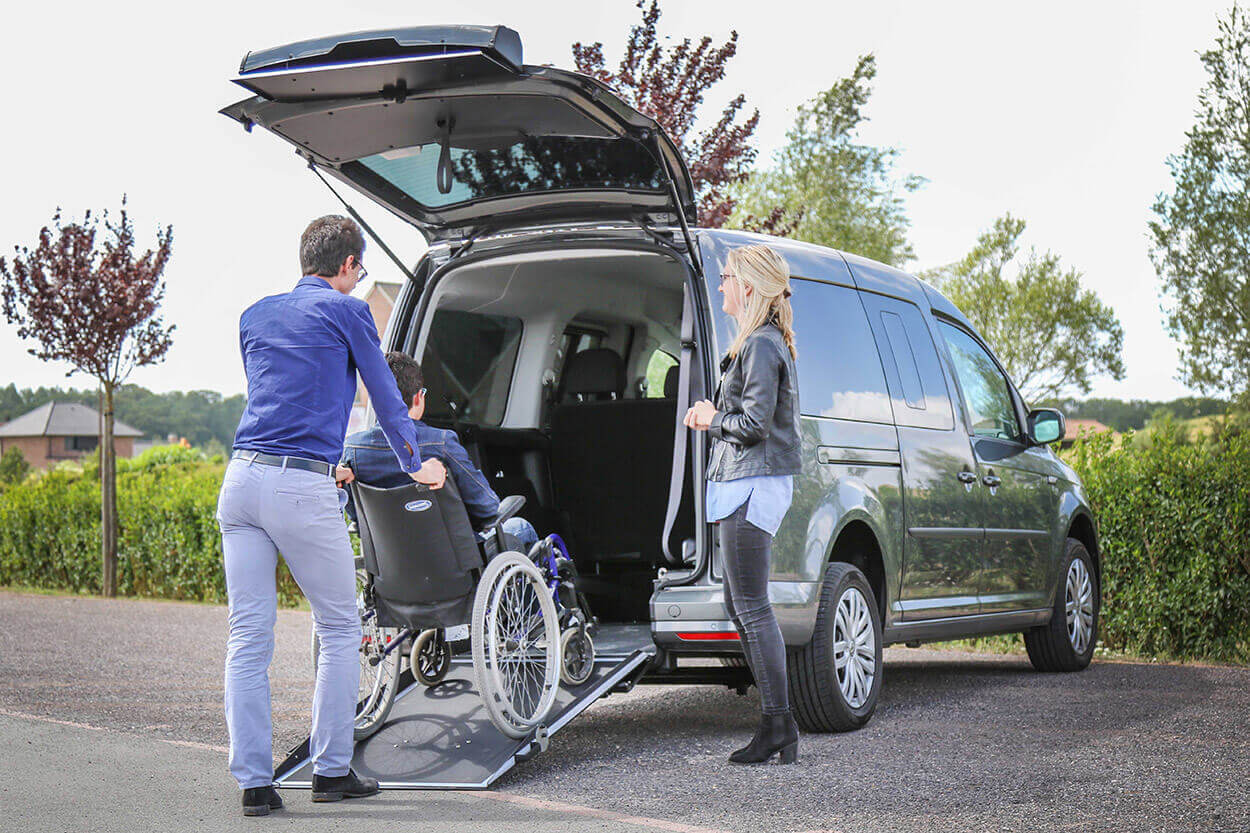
757	411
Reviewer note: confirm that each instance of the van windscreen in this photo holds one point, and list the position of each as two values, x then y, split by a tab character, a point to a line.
530	164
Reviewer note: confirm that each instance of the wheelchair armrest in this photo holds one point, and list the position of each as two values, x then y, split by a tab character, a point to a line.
508	507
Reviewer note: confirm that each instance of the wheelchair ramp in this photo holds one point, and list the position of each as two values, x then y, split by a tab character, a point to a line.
440	738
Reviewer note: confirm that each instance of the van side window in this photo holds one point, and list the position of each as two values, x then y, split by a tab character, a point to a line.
904	360
657	370
987	393
469	358
839	373
913	371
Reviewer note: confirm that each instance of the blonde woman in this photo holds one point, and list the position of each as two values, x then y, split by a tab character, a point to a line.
750	478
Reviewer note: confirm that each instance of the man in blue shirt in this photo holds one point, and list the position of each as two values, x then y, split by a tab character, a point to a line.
301	353
371	461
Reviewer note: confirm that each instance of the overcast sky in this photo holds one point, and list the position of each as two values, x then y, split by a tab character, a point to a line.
1061	113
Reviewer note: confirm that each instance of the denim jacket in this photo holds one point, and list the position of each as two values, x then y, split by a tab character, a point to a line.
374	463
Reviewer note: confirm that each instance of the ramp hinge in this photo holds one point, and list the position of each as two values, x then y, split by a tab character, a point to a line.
538	743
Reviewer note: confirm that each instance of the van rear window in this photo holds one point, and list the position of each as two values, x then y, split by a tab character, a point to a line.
532	164
469	358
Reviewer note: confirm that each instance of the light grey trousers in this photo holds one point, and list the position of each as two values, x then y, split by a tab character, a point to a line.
263	510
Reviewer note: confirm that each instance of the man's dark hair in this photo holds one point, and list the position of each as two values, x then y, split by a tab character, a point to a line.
327	242
408	375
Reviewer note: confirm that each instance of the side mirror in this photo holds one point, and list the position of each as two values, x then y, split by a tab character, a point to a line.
1046	425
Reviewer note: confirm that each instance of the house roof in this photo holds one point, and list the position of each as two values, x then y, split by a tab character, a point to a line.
386	289
63	419
1079	424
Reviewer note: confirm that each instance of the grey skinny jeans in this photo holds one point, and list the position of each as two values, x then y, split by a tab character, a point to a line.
747	553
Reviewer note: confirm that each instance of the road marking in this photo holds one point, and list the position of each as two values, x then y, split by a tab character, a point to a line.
576	809
189	744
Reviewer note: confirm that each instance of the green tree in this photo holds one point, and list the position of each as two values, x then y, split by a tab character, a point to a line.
95	304
13	466
833	190
1201	231
199	415
1050	334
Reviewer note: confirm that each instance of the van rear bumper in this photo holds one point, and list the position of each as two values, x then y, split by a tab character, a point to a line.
693	619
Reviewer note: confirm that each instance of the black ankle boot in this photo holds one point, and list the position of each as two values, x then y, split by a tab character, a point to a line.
258	801
350	785
777	733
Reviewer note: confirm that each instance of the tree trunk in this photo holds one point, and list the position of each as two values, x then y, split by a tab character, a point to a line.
108	498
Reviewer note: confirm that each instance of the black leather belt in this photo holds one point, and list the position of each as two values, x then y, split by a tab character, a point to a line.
316	466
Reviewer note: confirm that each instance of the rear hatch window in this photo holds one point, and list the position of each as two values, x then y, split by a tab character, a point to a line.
531	164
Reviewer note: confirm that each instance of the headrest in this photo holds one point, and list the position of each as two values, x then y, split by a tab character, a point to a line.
598	373
670	382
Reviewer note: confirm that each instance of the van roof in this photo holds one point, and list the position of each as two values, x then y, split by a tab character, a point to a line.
809	260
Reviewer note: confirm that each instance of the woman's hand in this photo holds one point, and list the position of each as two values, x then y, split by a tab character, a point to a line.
699	417
432	473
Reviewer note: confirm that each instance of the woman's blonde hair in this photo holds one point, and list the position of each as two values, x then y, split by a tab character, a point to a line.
768	275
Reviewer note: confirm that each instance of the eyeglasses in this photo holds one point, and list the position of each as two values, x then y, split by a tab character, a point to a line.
360	276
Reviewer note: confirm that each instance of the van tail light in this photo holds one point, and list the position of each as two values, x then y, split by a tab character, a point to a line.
709	635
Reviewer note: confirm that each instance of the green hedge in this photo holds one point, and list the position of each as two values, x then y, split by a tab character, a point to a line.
1174	527
1174	518
168	544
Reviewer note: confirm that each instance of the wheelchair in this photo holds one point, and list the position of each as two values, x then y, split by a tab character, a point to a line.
423	571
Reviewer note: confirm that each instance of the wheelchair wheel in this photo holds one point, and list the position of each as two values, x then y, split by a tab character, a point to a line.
379	672
515	636
577	656
430	657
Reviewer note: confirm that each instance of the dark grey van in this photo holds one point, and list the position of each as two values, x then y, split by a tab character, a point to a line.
566	314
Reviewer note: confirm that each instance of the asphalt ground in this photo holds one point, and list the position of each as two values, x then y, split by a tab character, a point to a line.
110	719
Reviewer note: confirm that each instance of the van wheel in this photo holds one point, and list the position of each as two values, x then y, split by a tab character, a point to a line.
1066	643
836	678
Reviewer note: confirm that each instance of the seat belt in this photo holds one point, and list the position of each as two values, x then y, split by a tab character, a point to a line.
677	479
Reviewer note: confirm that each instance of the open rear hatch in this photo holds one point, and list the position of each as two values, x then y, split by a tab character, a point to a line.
446	127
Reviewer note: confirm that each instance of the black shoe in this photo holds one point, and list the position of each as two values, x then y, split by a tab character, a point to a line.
350	785
258	801
777	733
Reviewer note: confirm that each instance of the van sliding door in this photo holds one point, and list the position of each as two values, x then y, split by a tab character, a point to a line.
942	550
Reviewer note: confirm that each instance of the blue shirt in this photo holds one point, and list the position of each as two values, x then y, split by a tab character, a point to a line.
374	464
301	352
769	496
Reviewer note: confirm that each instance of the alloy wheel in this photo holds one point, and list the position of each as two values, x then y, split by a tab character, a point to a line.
854	647
1079	606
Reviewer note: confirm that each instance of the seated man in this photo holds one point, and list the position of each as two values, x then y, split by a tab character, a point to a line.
373	463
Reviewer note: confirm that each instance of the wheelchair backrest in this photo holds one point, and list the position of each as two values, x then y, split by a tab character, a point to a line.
417	542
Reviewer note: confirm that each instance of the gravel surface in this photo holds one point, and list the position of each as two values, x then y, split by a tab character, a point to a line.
959	741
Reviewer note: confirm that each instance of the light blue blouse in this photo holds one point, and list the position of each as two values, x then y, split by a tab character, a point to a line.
769	496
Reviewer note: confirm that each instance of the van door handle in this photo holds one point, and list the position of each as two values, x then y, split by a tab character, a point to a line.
967	477
992	481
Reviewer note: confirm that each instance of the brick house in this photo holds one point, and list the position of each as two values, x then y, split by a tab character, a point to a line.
381	298
60	431
1077	426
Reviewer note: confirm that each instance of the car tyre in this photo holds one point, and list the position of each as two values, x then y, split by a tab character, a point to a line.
818	674
1066	642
